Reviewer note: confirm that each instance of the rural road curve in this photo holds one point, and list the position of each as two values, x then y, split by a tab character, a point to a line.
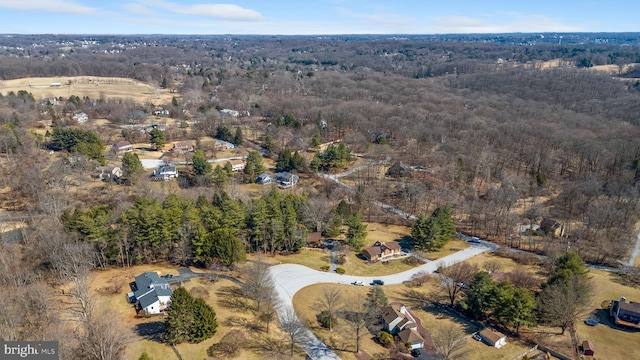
290	278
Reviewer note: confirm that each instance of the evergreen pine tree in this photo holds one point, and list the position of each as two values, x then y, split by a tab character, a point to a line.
205	323
180	317
237	139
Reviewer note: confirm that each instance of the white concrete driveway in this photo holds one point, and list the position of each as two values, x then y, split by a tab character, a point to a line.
289	278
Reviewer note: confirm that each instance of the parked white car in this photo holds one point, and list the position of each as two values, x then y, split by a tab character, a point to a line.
358	283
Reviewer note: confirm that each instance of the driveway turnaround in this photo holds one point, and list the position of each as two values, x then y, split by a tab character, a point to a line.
289	278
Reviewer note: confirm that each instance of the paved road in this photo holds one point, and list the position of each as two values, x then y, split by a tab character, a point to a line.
289	278
154	163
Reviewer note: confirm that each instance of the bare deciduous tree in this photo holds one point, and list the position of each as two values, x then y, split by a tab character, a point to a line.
449	341
454	277
295	330
104	337
420	278
356	315
563	303
330	302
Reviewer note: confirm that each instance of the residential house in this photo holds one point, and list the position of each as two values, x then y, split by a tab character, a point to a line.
625	313
237	165
147	129
493	338
314	238
397	320
286	179
223	145
399	170
150	293
183	146
411	337
263	179
161	112
552	227
229	112
108	172
81	118
165	173
381	251
122	147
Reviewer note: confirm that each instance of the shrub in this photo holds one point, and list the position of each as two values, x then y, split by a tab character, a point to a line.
385	338
412	260
340	270
144	356
324	267
326	320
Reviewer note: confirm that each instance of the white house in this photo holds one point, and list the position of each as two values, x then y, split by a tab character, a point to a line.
263	179
165	173
81	117
237	165
493	338
108	172
161	112
151	293
223	145
229	112
286	179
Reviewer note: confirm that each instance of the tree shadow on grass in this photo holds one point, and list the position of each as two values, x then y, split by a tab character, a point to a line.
234	298
246	324
424	301
151	330
267	345
631	279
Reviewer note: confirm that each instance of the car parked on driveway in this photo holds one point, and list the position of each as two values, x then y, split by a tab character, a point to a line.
474	240
377	282
358	283
477	336
415	352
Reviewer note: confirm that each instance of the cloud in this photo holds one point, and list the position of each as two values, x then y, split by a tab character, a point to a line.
53	6
217	11
499	23
222	11
373	22
139	9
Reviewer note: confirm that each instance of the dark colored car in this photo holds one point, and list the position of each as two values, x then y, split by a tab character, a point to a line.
168	276
377	282
415	352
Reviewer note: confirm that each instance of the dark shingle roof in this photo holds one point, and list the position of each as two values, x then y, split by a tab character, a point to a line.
149	286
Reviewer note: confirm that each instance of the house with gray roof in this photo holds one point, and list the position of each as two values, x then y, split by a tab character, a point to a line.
150	293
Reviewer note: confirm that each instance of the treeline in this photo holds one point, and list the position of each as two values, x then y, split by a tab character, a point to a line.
203	232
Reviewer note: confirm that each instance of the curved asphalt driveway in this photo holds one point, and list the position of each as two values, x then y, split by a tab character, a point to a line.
289	278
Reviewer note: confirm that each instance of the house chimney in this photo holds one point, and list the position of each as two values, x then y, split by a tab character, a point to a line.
623	299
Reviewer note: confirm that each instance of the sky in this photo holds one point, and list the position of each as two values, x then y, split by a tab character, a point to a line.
315	17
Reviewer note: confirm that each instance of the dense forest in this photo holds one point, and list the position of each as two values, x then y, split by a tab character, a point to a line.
503	130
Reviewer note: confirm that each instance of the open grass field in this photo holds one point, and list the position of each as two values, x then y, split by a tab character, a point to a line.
92	86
